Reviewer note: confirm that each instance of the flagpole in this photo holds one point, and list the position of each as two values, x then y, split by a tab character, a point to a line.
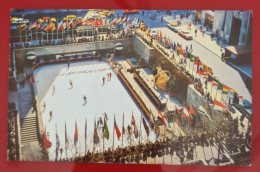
140	127
123	130
113	137
57	29
56	152
104	137
36	33
85	136
131	130
31	35
66	142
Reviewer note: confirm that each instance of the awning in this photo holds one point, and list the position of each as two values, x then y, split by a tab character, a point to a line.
239	50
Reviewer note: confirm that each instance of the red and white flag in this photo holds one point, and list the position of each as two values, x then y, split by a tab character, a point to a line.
186	112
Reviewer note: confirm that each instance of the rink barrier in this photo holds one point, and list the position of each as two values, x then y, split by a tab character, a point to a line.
135	95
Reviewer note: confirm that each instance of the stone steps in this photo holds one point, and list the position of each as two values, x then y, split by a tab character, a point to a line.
28	130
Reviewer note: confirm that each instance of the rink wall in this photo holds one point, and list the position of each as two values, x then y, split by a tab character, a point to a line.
20	54
142	49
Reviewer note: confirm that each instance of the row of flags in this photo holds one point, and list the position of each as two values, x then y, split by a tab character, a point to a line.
148	124
90	22
202	69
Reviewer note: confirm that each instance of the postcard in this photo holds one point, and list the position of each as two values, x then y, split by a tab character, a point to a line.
130	86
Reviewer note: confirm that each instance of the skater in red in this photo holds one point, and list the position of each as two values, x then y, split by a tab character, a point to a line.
50	113
110	76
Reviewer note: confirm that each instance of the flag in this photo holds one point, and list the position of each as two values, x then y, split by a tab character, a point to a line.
96	138
76	137
214	84
38	26
48	27
118	20
46	143
57	142
203	112
67	24
179	114
147	31
169	42
219	106
192	111
24	28
172	46
186	112
220	86
86	129
192	58
60	26
208	109
135	132
178	50
225	89
113	22
145	125
128	21
66	138
118	133
153	121
107	22
123	19
163	119
105	130
161	37
201	72
53	27
74	24
32	26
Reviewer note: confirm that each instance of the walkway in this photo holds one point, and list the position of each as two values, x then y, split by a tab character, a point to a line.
30	148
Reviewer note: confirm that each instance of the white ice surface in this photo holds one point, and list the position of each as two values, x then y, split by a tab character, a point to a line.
68	106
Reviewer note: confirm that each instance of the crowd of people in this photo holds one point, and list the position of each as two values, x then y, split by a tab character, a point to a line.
68	39
12	147
227	140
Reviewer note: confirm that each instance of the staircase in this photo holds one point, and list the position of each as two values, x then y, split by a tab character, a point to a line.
28	130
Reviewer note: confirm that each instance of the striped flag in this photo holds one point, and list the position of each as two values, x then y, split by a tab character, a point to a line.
96	138
192	111
135	132
186	112
118	133
32	26
219	106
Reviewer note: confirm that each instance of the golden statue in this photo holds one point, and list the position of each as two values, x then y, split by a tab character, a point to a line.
161	78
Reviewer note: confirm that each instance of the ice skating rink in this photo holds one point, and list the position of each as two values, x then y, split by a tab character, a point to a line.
67	105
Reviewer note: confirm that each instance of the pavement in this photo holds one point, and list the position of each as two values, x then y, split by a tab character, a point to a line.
30	147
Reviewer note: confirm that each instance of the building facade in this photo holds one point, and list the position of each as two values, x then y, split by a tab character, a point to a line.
234	27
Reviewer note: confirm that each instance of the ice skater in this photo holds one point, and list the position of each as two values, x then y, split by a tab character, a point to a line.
85	99
71	84
44	106
104	80
53	89
110	76
68	64
50	115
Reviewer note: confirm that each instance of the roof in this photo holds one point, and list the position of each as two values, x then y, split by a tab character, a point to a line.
240	49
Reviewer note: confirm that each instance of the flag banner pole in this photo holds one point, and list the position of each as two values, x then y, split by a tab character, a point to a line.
85	136
140	127
122	144
113	134
103	136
